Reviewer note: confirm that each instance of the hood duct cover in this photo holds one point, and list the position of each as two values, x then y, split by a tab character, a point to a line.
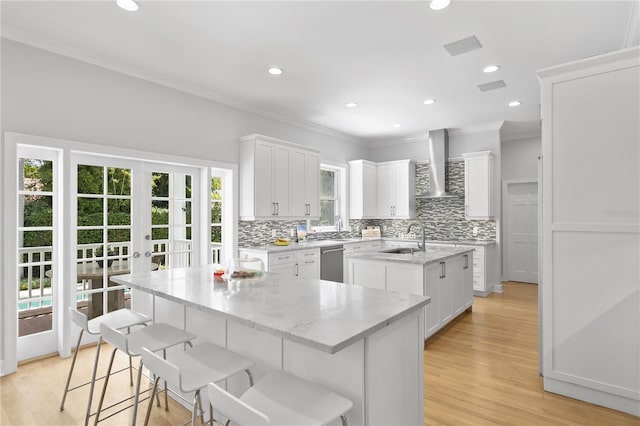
438	155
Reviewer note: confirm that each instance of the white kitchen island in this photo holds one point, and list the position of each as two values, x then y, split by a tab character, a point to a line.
443	273
363	343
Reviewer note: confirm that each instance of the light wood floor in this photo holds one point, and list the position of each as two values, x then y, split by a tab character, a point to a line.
482	370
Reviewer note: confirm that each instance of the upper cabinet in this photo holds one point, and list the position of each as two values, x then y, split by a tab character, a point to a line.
396	187
363	189
479	190
278	179
382	190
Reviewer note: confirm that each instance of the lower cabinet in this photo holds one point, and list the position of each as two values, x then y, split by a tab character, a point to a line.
292	263
354	248
449	283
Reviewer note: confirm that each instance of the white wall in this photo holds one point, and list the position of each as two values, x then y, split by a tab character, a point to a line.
520	158
51	95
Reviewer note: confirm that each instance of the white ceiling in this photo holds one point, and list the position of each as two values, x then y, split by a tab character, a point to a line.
387	56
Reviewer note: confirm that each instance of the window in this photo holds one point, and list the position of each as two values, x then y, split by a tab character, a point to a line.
216	218
332	196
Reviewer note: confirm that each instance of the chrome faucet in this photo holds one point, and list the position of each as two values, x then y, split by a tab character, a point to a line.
420	247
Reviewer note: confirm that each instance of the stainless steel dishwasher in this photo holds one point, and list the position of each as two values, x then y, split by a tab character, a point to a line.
331	263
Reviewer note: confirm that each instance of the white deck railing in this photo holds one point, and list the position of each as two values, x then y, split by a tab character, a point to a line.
34	262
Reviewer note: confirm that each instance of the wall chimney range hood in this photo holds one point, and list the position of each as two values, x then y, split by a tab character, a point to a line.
438	155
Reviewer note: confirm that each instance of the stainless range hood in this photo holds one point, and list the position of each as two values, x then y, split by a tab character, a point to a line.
438	155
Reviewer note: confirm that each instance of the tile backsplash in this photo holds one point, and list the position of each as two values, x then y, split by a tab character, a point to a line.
443	218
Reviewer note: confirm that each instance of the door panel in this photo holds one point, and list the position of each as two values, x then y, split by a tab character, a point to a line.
522	232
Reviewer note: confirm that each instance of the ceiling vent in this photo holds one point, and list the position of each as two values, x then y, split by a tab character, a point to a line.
492	86
463	46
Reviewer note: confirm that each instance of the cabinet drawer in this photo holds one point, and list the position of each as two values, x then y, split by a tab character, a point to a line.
280	258
362	246
304	255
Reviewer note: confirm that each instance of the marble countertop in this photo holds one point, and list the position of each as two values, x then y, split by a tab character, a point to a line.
324	315
430	255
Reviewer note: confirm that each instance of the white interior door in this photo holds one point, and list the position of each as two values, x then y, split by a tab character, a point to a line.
521	223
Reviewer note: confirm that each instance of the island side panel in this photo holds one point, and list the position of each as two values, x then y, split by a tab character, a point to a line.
263	348
342	372
394	373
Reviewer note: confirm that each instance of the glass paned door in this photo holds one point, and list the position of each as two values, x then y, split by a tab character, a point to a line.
35	246
36	238
103	239
173	215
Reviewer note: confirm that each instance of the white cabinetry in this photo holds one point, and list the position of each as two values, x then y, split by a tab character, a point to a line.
448	283
305	184
484	276
478	185
396	187
303	263
278	180
591	230
354	248
363	189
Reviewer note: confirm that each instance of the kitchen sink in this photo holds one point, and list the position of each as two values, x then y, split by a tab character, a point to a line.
401	250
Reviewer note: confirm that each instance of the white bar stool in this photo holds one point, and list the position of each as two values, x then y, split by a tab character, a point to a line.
280	399
193	369
155	337
119	319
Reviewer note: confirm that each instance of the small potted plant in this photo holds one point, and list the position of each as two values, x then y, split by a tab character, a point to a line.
99	253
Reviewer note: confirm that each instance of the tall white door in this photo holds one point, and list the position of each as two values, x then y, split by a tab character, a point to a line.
521	220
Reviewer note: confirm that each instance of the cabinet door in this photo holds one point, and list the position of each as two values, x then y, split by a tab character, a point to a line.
285	269
477	187
405	279
312	184
264	157
385	191
455	280
467	279
446	294
432	290
401	191
370	191
297	172
367	274
309	269
281	168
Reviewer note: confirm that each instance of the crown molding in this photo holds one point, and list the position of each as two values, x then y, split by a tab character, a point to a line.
113	64
632	36
476	129
422	137
532	134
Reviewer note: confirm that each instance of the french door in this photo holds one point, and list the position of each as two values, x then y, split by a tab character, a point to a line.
120	216
133	216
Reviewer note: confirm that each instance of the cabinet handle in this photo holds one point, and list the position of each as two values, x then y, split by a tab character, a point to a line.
273	208
442	270
466	261
309	261
466	210
296	269
277	209
309	254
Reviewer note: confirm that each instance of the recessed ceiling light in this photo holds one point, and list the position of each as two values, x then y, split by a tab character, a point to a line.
439	4
128	5
429	101
351	104
397	125
275	71
491	68
515	103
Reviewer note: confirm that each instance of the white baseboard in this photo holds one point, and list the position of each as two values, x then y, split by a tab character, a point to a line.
604	399
481	293
497	288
